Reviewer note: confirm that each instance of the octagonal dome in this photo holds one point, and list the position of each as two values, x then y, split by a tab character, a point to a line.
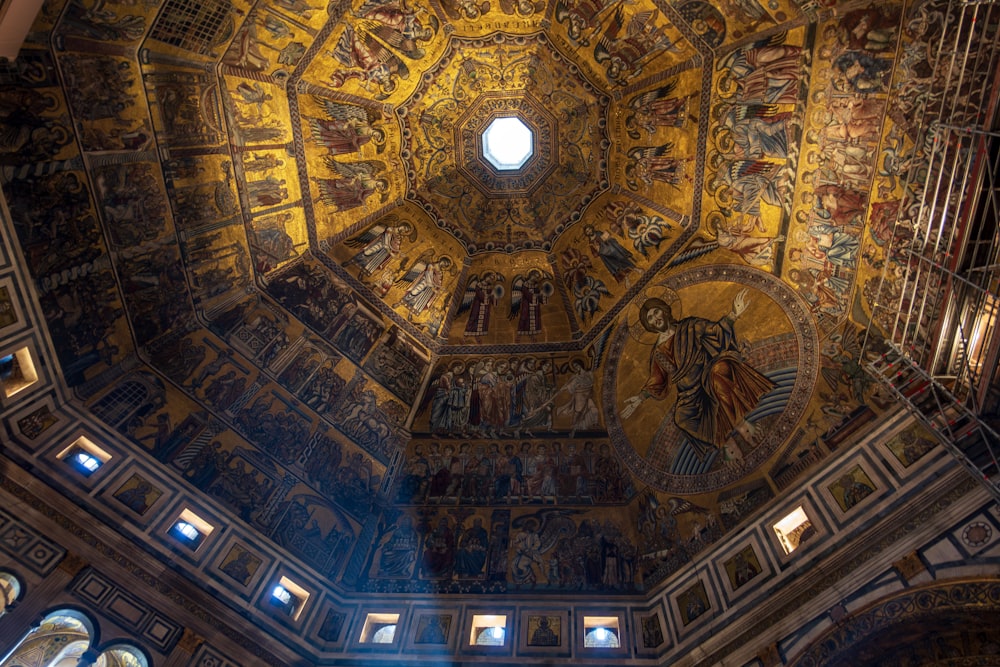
288	218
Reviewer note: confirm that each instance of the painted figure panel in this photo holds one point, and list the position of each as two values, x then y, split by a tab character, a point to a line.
714	384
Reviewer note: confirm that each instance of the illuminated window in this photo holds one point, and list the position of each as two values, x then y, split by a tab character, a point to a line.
600	632
190	529
186	534
488	630
379	629
288	597
84	456
507	143
794	529
281	594
84	462
17	372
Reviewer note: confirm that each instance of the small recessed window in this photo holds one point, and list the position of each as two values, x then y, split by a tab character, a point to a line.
794	529
488	630
379	629
190	529
17	372
288	597
84	456
187	533
281	595
85	462
600	632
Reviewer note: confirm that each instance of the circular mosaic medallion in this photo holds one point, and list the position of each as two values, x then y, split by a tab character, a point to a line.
977	534
718	393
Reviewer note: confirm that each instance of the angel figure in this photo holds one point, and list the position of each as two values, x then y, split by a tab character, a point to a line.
347	128
537	534
356	183
645	231
754	131
481	293
379	245
587	290
528	294
624	49
654	109
750	182
370	48
426	279
616	259
653	163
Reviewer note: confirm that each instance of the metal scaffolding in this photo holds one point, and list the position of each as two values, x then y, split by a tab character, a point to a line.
936	316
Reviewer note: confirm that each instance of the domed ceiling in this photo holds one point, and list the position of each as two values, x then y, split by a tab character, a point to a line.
276	257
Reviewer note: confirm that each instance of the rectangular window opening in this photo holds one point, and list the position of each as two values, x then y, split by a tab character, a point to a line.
288	597
190	529
379	628
17	372
84	456
794	529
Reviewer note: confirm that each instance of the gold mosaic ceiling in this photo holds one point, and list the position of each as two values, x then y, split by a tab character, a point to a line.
352	132
282	208
385	108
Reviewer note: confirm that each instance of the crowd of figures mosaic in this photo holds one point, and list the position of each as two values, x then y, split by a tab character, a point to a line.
270	255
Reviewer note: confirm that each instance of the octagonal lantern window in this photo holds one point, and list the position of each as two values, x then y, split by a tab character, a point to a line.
507	143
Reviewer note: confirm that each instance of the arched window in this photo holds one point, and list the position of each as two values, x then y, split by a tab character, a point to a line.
601	631
490	636
601	638
10	591
59	641
121	655
385	634
379	628
62	638
68	656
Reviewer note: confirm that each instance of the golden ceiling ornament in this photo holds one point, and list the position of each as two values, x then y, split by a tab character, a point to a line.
636	330
475	82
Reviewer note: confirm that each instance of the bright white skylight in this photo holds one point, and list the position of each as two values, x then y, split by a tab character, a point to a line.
507	143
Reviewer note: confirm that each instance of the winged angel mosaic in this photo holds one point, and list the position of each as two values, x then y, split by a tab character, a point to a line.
374	47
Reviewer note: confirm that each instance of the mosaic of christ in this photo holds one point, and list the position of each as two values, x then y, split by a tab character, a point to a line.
710	372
